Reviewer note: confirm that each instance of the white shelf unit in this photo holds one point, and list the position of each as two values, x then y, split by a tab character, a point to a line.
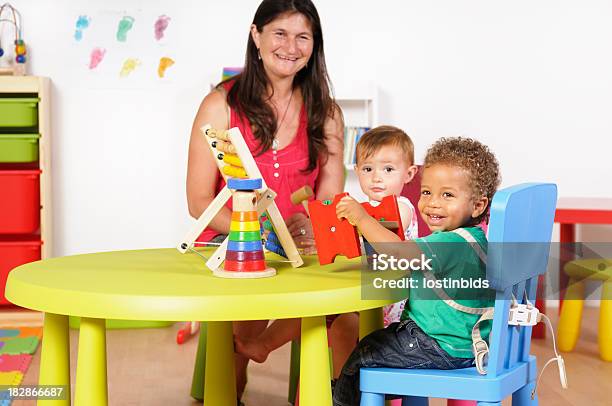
359	110
359	104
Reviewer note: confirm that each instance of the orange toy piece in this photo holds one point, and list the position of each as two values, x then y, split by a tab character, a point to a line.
387	212
333	236
188	330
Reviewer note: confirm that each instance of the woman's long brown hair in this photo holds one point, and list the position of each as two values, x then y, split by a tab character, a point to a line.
249	92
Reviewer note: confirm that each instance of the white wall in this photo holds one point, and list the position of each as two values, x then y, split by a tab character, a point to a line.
531	79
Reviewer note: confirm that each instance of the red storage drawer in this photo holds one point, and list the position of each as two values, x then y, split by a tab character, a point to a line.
19	201
15	251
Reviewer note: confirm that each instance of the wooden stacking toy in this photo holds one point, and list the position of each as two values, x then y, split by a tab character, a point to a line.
244	257
236	164
300	196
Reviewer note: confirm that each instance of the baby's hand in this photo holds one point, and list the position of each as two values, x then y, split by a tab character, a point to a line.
348	208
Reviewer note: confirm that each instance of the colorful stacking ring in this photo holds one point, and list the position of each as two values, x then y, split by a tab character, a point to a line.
244	255
244	226
244	246
244	235
246	266
245	216
244	184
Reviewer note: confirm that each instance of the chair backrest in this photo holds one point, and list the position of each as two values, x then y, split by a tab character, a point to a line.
520	229
412	191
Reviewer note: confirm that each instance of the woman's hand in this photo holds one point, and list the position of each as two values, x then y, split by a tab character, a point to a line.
350	209
300	229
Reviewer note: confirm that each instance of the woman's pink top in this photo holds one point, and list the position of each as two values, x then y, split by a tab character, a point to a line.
281	170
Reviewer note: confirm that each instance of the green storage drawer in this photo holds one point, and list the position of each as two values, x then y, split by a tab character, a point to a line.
18	112
19	147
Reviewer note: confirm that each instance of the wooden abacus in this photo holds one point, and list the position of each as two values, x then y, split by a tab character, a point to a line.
234	159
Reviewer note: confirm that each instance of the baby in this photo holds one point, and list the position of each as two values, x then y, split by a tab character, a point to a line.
460	177
385	163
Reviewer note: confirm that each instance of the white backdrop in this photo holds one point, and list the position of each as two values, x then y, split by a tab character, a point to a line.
531	79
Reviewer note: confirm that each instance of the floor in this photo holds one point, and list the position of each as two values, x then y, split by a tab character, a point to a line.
147	367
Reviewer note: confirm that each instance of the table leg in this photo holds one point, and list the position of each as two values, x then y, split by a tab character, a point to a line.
197	382
370	320
567	236
220	376
568	329
605	322
538	331
315	386
55	357
91	389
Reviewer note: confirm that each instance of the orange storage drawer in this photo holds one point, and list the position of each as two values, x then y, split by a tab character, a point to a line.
15	251
19	201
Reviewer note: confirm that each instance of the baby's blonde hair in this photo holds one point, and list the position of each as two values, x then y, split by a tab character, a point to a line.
376	138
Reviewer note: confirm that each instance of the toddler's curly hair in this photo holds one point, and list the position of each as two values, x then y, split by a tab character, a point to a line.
473	157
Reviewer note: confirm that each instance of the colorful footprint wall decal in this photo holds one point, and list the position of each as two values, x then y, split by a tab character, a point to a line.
125	25
81	25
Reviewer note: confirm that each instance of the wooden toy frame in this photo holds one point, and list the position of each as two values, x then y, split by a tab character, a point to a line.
265	202
334	236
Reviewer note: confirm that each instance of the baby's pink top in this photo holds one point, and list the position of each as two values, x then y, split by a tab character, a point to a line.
281	170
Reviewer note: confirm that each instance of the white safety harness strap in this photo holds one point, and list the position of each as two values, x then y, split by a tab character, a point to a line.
479	345
520	315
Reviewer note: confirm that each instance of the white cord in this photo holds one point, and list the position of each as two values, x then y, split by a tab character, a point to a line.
558	357
552	332
535	388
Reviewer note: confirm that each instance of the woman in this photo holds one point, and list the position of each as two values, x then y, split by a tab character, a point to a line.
282	105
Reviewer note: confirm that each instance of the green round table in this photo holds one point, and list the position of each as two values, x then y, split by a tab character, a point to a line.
163	284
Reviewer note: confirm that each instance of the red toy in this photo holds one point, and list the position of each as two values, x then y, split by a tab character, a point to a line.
188	330
335	236
387	212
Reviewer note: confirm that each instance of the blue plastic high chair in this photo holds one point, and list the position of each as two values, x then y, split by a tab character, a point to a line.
519	214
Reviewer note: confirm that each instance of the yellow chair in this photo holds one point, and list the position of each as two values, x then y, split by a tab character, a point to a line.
580	271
